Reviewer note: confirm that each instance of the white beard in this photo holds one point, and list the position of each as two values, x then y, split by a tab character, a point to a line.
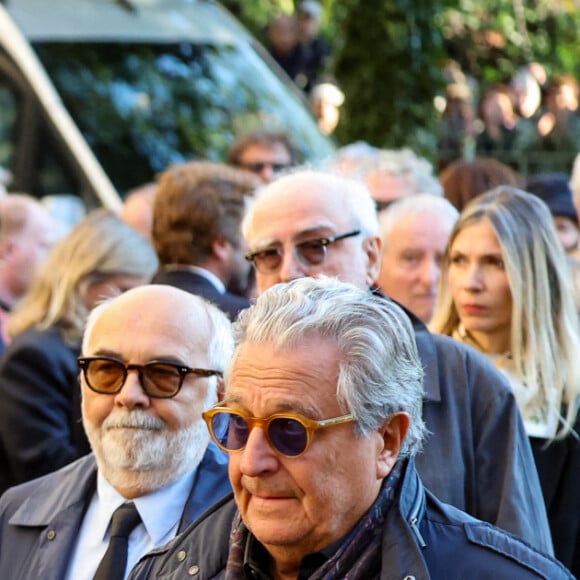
135	450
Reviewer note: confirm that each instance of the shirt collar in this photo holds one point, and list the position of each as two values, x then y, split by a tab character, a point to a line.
209	276
160	510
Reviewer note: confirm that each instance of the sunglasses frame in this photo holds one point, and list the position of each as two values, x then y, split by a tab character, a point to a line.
310	426
85	361
259	166
324	243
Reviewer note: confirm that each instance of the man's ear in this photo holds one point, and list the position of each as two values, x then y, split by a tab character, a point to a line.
392	434
373	248
221	248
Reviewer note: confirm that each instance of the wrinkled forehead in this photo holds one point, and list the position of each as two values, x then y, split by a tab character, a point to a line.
285	210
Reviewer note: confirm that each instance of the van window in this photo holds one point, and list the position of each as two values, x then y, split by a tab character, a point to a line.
8	114
29	149
161	104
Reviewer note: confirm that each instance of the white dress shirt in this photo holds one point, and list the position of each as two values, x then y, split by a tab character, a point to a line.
160	513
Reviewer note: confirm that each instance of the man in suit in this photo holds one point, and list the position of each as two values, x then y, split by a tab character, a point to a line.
152	362
478	456
196	231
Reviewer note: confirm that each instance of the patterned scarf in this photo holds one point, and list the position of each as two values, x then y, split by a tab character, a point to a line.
359	557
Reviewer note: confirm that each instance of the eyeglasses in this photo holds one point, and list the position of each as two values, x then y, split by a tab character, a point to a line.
258	167
288	434
309	253
382	205
159	379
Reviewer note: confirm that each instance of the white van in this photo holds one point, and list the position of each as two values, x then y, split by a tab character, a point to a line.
97	96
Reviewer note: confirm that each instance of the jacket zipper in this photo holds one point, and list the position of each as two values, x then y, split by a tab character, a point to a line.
414	518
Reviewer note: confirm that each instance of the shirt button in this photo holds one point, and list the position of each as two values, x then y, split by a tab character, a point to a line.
51	535
193	570
181	555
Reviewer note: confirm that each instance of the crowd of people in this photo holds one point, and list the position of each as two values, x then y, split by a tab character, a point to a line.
531	122
297	45
364	369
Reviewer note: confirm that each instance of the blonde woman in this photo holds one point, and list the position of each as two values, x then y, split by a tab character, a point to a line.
40	427
505	290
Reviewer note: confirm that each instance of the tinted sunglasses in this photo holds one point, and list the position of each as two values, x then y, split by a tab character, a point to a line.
382	205
159	379
309	253
288	434
260	166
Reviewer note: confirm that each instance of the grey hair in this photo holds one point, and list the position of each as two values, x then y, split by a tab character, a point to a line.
351	194
380	372
403	162
423	203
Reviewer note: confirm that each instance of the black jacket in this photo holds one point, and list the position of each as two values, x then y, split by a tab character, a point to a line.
193	283
422	539
40	410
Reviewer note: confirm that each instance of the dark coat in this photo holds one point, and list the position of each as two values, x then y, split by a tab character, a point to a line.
40	520
478	456
194	283
422	539
559	468
40	411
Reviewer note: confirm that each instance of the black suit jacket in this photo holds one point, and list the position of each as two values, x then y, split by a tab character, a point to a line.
40	410
194	283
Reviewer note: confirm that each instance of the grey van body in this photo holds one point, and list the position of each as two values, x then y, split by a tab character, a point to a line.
97	96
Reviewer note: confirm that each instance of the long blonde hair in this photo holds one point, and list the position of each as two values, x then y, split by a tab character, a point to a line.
101	245
545	336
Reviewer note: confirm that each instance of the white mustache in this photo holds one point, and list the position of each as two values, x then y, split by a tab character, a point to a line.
133	420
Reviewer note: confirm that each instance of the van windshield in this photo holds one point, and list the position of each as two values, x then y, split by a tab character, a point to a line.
142	107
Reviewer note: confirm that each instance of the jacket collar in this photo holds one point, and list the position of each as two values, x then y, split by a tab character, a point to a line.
427	351
211	482
39	509
402	541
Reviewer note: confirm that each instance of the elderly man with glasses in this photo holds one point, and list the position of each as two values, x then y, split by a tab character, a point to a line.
152	362
478	456
323	402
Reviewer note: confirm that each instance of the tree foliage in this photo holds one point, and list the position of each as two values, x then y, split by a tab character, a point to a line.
389	65
491	39
389	54
256	14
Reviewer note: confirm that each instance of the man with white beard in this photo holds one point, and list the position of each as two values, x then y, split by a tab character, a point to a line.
152	362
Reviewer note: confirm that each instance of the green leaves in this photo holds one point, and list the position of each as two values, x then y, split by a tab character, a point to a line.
390	70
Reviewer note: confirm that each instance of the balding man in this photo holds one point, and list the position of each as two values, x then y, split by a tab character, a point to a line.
414	232
27	232
478	457
152	361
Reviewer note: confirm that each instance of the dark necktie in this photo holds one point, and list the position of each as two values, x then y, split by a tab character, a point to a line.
114	562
